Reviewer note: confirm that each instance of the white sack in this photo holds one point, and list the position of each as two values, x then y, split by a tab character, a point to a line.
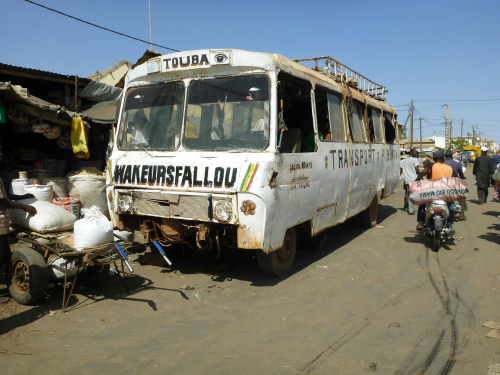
57	268
93	230
49	217
90	189
17	186
59	187
41	192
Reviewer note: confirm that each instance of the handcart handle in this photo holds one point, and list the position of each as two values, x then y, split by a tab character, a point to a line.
123	257
162	253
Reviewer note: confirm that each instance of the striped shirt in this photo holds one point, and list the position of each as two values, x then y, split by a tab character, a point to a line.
4	212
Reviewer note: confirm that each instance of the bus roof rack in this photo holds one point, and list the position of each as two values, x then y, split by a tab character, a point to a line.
343	74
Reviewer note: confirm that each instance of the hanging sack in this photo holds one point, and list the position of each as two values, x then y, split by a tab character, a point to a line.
78	137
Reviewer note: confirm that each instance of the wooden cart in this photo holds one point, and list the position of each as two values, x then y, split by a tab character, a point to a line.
28	272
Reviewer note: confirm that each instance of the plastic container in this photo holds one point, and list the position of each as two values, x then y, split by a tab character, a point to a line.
70	204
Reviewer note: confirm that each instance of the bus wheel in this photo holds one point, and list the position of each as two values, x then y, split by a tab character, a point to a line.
279	262
27	276
368	218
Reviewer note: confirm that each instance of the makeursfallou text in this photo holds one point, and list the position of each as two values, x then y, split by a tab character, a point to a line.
170	175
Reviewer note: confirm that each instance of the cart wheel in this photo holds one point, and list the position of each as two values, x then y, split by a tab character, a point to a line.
27	276
95	275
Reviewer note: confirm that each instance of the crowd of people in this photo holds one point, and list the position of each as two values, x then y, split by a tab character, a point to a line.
486	170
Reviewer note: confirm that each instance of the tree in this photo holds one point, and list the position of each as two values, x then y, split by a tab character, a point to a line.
403	133
458	144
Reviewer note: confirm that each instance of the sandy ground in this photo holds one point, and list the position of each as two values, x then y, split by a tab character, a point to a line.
369	301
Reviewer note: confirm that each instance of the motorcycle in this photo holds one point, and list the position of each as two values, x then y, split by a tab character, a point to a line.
436	216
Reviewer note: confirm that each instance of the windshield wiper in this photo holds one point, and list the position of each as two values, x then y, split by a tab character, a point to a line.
141	145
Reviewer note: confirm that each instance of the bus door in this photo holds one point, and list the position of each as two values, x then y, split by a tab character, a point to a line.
333	151
393	164
298	186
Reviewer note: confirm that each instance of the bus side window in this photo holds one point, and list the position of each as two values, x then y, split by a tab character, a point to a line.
390	130
336	117
297	109
376	116
330	115
356	122
322	117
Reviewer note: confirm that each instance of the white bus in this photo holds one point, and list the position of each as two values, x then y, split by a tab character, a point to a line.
235	149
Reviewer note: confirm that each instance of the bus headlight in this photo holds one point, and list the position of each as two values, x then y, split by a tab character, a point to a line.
223	211
125	203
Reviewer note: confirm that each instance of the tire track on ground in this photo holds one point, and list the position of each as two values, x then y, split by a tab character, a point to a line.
446	301
353	332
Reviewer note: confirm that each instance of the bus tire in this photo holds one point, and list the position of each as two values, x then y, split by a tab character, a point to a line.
27	276
368	218
279	262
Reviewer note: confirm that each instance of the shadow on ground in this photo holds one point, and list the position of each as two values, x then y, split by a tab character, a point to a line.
232	264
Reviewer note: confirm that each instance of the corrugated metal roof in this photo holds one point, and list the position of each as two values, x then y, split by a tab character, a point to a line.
12	69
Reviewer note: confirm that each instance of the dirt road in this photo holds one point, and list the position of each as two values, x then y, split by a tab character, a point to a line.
370	301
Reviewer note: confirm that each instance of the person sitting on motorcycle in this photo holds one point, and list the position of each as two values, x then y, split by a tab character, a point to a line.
435	171
457	172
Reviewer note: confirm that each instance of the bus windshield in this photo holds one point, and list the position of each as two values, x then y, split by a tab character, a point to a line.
152	117
225	114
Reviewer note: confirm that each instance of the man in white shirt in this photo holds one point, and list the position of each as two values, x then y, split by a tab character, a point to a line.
409	169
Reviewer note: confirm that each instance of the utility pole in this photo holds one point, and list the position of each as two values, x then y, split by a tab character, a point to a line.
411	126
451	131
473	136
420	134
447	130
461	129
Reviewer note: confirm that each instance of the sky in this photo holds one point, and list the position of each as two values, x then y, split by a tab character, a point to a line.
432	52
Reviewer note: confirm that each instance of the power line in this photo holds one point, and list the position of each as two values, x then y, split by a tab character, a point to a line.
457	100
423	118
100	27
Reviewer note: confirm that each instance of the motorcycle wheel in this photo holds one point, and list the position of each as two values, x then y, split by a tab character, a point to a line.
436	240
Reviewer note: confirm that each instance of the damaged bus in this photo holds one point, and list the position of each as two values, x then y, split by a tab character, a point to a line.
223	149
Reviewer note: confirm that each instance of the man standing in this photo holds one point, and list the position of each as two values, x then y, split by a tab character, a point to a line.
496	175
496	160
457	172
483	169
409	169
